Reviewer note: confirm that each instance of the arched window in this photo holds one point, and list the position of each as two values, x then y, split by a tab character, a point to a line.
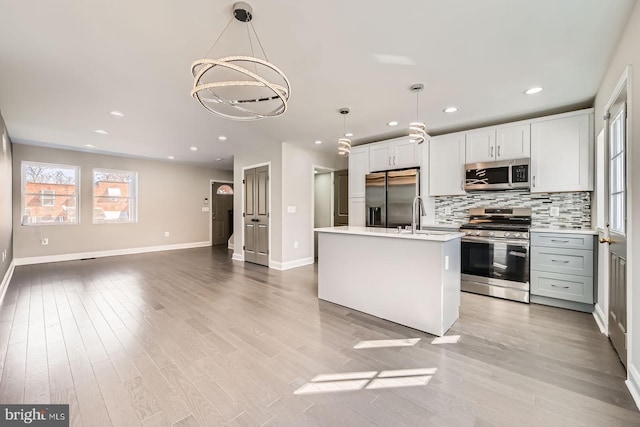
225	190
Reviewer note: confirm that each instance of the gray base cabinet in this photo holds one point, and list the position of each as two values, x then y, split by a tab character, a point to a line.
562	270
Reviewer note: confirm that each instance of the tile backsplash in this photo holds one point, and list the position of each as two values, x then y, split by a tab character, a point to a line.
575	208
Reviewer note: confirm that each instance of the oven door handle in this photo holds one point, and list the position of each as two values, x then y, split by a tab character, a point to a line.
524	244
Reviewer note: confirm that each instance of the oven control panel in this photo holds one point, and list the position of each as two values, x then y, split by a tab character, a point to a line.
498	234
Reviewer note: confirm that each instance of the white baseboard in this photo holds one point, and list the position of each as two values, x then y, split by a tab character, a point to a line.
291	264
7	278
238	256
601	319
100	254
633	384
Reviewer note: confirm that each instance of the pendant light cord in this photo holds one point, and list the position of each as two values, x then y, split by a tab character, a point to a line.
219	37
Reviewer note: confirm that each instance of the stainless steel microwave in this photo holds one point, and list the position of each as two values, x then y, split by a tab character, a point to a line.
502	175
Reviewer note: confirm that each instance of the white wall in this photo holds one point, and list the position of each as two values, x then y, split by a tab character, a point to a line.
6	222
171	196
627	53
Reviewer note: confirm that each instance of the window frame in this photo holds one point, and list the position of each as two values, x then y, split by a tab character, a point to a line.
133	200
23	188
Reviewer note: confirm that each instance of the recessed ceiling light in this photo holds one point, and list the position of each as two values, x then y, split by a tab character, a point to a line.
533	90
222	138
193	148
315	171
101	131
218	160
317	141
117	113
392	123
450	109
171	158
348	134
89	146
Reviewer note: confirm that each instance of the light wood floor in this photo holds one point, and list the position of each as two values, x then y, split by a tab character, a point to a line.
191	338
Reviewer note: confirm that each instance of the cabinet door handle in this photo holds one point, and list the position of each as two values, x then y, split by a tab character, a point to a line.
498	151
462	184
491	152
533	184
394	160
389	160
559	241
561	287
560	260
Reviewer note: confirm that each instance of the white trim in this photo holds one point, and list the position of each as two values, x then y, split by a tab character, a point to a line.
210	204
601	319
101	254
7	278
291	264
633	384
238	257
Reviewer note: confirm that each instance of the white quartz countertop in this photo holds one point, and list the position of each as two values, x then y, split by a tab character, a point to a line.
564	230
442	226
430	235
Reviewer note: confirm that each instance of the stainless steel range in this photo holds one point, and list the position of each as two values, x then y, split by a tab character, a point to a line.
495	253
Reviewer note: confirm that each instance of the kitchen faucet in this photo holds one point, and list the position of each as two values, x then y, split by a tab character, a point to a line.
416	201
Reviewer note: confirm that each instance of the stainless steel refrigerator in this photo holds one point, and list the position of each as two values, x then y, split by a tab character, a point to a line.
389	197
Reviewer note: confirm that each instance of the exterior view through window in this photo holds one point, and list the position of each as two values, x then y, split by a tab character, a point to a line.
115	196
49	194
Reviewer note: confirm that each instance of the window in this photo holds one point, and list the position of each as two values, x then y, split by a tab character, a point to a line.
617	174
115	196
49	193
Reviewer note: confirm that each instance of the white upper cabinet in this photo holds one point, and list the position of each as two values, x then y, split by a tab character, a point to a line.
394	154
498	143
446	165
358	169
562	152
480	145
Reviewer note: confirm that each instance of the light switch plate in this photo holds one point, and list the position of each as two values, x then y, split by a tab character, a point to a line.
205	209
291	209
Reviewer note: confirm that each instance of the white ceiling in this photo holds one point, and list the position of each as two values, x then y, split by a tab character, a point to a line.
64	65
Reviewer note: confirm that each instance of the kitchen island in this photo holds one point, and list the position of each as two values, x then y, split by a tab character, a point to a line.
410	279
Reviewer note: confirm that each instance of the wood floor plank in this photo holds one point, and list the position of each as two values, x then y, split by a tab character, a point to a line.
189	337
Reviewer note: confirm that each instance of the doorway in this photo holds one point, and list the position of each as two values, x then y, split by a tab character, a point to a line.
615	234
256	215
221	212
323	205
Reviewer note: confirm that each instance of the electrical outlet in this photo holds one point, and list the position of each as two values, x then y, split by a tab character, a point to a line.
554	211
295	244
45	241
166	234
447	210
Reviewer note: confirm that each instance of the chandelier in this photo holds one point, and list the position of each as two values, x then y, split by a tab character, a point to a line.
240	87
417	129
344	144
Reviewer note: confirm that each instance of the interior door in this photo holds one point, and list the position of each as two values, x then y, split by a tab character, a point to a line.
221	212
256	215
617	227
341	197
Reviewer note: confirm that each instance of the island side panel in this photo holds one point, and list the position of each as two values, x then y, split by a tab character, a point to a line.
451	283
395	279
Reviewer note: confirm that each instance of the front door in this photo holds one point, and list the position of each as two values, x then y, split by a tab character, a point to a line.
221	213
617	226
256	215
341	197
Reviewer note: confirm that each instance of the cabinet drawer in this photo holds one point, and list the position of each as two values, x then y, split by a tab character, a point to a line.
566	261
558	240
562	286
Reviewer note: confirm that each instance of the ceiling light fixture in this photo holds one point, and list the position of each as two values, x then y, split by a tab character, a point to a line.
533	90
117	113
193	148
348	134
101	131
89	146
245	94
222	138
317	141
450	109
417	129
171	158
344	144
392	123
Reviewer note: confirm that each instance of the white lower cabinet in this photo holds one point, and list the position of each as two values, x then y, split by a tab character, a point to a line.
357	212
562	270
